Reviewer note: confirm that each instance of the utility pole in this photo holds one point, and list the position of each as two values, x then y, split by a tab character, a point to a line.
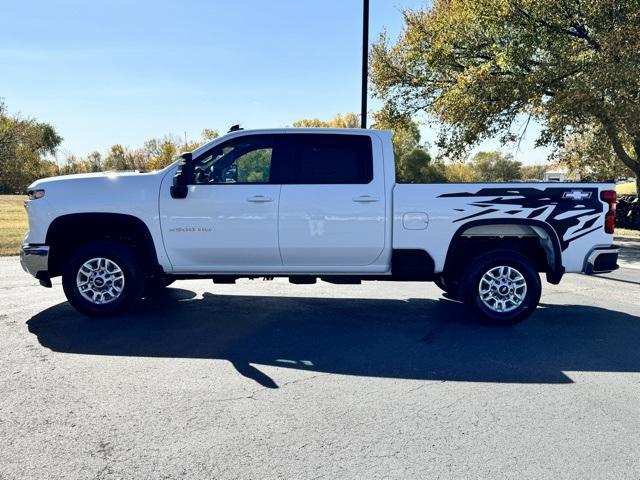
365	63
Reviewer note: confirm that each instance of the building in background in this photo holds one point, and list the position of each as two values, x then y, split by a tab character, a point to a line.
559	173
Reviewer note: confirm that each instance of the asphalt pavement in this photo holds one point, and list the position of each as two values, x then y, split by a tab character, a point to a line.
267	380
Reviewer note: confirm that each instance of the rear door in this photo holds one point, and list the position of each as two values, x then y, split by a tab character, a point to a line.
332	208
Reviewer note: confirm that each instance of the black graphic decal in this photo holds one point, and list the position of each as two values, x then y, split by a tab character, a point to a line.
477	214
537	212
534	202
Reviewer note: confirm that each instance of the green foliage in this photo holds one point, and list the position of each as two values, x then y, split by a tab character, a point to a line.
209	134
589	154
482	67
406	134
533	172
416	167
460	172
254	166
24	147
413	160
496	167
347	120
73	164
490	167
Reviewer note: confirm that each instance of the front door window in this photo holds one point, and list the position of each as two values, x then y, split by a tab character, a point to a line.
243	160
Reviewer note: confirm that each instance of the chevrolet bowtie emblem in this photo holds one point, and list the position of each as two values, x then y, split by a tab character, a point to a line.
576	195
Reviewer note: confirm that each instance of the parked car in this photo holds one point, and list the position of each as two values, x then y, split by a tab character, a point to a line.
311	204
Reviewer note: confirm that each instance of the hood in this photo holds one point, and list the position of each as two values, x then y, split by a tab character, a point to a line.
79	177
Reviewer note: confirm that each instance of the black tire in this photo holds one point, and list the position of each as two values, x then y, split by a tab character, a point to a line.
448	286
122	257
506	288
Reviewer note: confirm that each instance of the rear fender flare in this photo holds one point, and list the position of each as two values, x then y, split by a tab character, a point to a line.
548	240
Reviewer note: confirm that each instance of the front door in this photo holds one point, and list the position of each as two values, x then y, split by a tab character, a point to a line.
229	220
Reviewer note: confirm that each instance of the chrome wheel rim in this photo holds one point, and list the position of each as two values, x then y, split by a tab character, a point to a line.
100	281
502	289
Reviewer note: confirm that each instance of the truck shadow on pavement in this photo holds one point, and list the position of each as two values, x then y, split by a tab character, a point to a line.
413	339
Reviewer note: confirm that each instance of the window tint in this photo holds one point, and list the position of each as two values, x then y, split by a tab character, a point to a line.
331	159
246	159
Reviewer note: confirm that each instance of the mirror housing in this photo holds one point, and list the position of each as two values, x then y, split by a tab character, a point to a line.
183	177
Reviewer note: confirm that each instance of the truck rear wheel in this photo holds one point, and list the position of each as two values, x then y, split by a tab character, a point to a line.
103	278
502	287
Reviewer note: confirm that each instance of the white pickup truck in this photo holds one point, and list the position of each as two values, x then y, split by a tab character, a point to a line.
311	204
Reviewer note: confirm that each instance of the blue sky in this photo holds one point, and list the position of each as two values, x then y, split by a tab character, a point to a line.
105	72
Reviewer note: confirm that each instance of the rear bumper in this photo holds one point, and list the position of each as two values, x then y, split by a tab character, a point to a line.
35	261
601	259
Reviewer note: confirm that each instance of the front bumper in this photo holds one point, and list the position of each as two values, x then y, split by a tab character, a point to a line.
35	261
602	259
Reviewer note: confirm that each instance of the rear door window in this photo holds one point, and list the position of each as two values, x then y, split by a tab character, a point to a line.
330	159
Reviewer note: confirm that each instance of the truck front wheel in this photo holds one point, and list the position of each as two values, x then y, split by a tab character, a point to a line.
502	287
103	278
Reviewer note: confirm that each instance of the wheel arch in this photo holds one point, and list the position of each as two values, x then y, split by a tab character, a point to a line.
68	232
512	230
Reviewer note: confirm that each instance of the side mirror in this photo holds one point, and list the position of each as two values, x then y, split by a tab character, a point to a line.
183	177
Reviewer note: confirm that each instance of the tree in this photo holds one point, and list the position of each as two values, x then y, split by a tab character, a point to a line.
533	172
592	159
483	67
406	134
496	167
94	159
413	160
416	167
460	172
347	120
209	134
24	147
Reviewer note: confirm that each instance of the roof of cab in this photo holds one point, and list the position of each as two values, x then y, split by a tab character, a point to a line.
319	130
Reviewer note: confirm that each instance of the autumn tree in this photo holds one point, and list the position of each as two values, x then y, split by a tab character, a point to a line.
414	163
534	172
593	160
486	68
26	147
339	120
496	166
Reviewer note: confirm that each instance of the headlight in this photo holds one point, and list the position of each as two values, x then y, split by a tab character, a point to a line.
35	194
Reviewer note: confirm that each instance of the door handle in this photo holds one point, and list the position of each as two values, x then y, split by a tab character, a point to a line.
259	199
366	199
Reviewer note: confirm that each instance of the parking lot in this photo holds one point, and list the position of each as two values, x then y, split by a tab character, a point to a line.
271	380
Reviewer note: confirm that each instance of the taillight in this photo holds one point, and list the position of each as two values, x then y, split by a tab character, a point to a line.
611	198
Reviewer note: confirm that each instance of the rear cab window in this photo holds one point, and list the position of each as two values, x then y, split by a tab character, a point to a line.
329	159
